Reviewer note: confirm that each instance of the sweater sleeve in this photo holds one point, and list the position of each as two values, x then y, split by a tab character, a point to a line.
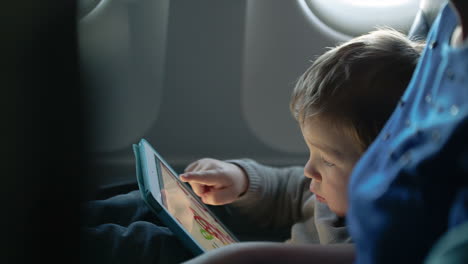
275	195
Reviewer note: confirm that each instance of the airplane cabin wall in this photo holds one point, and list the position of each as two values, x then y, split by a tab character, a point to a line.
206	78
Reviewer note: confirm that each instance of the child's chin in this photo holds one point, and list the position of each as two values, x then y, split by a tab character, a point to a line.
339	213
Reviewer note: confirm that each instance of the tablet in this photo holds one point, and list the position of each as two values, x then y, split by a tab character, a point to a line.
178	207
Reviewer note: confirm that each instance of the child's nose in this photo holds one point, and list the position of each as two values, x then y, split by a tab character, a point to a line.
311	172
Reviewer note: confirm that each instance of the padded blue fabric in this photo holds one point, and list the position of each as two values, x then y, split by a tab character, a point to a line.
411	185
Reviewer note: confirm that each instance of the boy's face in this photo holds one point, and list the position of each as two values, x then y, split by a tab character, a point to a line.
332	157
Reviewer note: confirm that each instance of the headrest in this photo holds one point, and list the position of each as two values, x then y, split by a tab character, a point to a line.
85	7
428	11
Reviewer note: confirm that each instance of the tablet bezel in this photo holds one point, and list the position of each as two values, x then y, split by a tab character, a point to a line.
150	181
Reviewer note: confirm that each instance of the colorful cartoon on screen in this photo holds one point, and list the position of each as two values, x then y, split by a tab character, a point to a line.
192	215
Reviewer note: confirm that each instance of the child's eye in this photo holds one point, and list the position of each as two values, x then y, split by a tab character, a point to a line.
329	164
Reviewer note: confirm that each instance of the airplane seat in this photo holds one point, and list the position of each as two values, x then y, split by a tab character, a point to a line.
122	47
428	10
452	246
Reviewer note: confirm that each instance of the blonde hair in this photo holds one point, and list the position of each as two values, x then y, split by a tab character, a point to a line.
358	83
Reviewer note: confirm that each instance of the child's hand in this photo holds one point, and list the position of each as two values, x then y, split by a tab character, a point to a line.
216	182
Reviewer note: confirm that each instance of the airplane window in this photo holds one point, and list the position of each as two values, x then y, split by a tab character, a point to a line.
356	17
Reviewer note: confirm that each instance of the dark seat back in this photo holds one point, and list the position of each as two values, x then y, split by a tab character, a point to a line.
428	10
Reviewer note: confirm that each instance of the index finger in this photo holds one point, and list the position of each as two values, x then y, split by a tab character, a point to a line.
208	177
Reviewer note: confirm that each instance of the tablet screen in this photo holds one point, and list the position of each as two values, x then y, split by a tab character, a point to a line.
190	212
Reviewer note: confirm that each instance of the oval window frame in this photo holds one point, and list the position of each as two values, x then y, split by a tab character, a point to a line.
330	15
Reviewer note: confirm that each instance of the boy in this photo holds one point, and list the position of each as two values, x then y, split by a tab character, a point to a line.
341	102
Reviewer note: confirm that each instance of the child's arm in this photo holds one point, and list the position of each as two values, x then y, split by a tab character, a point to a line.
273	196
216	182
269	252
276	196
